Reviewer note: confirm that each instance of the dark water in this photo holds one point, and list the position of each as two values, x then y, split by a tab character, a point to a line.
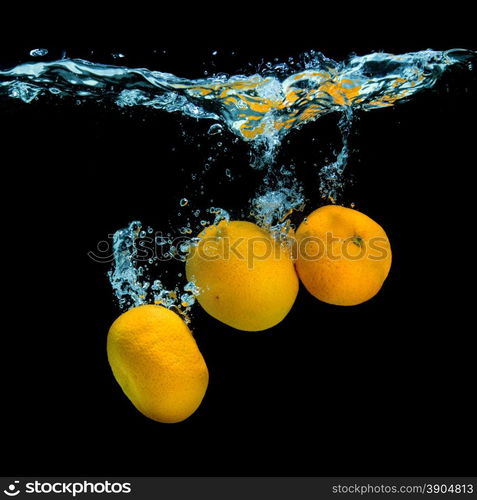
382	387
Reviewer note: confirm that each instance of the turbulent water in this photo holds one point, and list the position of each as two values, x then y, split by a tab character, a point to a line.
128	280
260	109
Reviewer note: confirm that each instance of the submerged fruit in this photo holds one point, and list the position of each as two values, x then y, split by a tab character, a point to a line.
343	256
157	363
246	278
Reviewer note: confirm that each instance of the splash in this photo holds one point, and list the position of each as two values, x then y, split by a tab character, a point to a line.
280	196
259	108
125	277
128	279
331	175
137	251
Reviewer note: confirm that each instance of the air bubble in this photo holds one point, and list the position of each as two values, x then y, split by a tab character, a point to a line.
184	248
215	129
38	52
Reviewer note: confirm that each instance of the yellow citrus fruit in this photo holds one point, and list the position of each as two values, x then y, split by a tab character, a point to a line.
343	256
157	363
246	278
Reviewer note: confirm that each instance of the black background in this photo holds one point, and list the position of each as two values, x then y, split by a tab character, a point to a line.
381	388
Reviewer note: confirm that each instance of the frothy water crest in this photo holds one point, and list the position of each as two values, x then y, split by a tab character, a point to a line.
259	108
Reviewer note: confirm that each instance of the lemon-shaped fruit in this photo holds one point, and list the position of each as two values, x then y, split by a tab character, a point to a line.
246	278
156	361
343	256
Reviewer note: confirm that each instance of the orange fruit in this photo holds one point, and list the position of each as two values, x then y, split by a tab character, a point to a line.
157	363
246	278
342	255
